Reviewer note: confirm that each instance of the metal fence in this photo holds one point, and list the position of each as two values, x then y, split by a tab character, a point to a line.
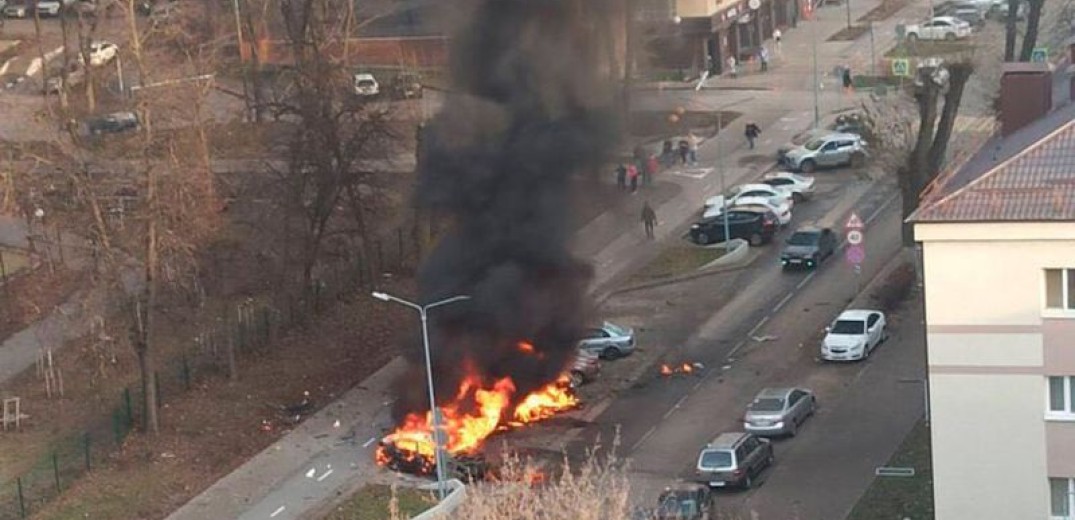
217	351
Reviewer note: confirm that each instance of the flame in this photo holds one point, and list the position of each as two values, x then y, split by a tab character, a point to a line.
476	412
666	370
526	347
687	368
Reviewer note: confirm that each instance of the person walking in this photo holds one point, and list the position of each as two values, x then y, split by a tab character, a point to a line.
847	79
684	149
733	69
752	132
777	37
692	148
632	177
621	177
763	57
649	219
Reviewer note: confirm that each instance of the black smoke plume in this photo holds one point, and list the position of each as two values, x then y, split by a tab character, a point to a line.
527	114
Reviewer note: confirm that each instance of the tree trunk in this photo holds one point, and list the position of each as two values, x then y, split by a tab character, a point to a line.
146	362
1009	30
958	74
628	58
255	63
1030	39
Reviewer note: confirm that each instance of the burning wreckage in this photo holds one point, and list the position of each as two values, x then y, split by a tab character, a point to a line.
528	113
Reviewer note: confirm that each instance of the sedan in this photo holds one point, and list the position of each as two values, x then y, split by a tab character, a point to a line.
114	123
779	411
16	11
609	341
776	196
801	187
761	204
808	247
101	53
584	368
853	335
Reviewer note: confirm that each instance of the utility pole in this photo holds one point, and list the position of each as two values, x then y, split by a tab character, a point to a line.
873	56
723	188
848	4
817	81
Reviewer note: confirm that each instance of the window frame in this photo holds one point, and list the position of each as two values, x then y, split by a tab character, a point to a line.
1068	392
1067	306
1070	499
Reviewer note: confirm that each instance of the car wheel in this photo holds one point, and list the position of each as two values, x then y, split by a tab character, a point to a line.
703	238
808	166
950	37
749	481
797	197
755	239
610	353
576	378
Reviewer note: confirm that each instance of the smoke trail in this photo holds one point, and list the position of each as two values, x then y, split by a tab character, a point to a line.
528	113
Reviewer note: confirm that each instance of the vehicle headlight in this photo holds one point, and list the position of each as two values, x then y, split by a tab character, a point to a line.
778	424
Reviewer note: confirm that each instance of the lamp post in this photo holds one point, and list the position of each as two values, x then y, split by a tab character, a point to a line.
438	440
817	81
723	188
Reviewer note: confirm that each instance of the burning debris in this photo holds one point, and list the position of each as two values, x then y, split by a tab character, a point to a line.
526	115
685	368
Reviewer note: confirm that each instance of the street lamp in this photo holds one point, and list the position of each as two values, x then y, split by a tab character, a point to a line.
438	440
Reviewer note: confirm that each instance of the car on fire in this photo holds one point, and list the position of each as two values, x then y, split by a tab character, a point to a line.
779	411
684	502
853	335
609	341
733	460
584	368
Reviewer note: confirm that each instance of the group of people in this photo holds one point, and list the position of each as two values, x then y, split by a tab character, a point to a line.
762	55
644	165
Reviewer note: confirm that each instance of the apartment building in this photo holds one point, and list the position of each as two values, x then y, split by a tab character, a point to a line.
998	257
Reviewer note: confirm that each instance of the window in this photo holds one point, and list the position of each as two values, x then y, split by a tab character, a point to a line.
1061	397
1060	289
1061	498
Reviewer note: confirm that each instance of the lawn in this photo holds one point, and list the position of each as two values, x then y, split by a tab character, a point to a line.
927	48
371	502
677	260
908	498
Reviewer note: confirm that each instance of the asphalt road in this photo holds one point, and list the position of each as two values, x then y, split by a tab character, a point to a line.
662	422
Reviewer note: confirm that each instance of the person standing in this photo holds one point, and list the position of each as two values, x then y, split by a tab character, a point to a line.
692	148
652	167
632	177
621	177
752	132
733	71
649	219
763	57
684	149
777	36
847	79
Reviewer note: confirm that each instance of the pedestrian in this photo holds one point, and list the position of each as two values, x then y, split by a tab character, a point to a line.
621	177
692	147
684	150
668	153
632	177
752	132
649	219
847	79
777	36
652	167
763	57
733	71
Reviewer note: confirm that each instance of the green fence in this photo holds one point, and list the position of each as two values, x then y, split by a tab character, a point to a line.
217	351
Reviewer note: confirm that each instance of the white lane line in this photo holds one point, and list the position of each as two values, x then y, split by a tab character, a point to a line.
278	511
736	348
881	208
805	280
758	326
34	65
782	302
323	477
644	438
367	444
4	67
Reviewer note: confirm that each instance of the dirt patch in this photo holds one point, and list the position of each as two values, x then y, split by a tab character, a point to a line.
668	124
848	34
675	260
896	288
759	159
372	503
884	10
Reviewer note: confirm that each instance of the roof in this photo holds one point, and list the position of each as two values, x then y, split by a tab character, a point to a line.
774	392
855	314
725	440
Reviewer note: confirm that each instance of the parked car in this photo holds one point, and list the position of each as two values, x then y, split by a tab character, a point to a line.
801	187
779	411
853	335
800	140
685	502
610	341
808	247
946	28
101	53
971	12
765	205
17	10
366	85
407	85
754	227
834	149
733	460
48	7
584	368
998	10
776	196
114	123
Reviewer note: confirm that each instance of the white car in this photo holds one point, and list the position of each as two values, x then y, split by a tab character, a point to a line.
947	28
366	85
853	335
763	204
101	53
776	196
800	186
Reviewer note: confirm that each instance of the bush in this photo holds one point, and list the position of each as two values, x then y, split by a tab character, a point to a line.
896	287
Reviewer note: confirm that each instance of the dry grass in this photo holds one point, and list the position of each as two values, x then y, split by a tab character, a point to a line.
677	260
377	502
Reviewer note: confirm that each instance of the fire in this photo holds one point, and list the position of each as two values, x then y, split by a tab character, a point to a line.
526	347
476	412
687	368
666	370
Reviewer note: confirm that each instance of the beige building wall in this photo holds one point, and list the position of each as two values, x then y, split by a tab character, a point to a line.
695	8
989	458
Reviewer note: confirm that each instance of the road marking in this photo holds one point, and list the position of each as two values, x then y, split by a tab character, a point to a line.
278	511
694	173
805	280
782	302
367	444
736	348
323	477
882	207
758	326
4	67
644	437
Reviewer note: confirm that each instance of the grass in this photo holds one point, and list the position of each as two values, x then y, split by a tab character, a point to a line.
902	497
371	502
676	260
13	261
929	48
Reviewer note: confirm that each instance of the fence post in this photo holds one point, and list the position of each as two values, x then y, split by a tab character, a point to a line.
3	269
86	448
56	471
22	500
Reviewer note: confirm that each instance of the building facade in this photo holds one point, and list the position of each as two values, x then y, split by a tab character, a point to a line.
998	265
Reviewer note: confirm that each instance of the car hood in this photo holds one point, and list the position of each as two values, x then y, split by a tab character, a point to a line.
844	340
714	202
799	250
797	152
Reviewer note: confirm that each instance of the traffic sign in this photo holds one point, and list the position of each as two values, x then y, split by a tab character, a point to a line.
855	254
1039	55
901	67
854	237
854	222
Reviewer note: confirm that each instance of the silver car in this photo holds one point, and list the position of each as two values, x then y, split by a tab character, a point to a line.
835	149
779	411
609	341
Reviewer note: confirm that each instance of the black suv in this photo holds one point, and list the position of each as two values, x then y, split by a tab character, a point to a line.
807	247
757	228
733	459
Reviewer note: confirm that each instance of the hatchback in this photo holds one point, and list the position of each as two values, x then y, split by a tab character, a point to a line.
733	459
779	411
853	335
